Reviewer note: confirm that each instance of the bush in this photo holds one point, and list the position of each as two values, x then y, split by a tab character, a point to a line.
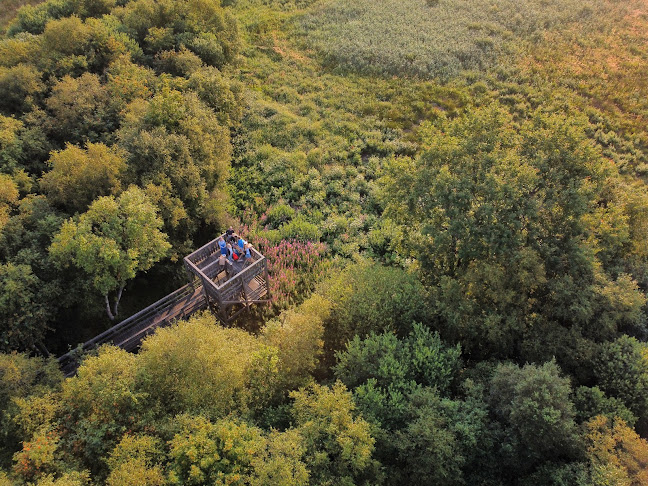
199	366
372	298
278	215
301	230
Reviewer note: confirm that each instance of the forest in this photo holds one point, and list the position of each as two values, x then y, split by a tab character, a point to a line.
451	197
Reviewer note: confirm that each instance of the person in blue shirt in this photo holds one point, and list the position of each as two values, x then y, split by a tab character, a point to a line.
222	245
242	243
248	254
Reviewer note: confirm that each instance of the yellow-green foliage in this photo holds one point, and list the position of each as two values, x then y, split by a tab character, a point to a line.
112	241
298	336
20	87
213	453
78	176
8	197
104	384
79	106
198	366
66	479
134	462
326	420
281	462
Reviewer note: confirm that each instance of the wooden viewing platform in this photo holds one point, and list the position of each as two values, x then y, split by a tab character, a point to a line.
233	289
227	293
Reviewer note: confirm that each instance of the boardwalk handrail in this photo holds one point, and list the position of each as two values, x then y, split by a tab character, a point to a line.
165	303
238	289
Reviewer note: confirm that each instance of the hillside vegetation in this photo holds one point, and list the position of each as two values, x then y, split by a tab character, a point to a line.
452	200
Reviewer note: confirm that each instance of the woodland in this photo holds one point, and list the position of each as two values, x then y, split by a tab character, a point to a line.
452	200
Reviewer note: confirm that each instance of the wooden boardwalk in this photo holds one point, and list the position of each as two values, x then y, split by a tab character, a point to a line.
129	333
229	291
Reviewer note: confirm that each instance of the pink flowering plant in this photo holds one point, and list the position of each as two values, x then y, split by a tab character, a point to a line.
294	265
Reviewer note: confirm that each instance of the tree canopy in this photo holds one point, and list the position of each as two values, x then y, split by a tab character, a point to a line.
112	241
451	201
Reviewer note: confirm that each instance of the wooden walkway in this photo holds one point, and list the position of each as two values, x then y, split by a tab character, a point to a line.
229	291
129	333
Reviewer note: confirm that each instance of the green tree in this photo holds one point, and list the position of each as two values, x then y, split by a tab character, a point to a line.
338	443
181	152
590	402
202	25
23	313
428	448
219	93
533	403
383	371
371	298
25	240
500	216
77	176
621	369
400	386
112	241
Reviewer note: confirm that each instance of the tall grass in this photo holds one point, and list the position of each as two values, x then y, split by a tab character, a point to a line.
433	37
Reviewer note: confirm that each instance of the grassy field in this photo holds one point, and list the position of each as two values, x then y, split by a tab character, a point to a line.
604	69
321	125
433	37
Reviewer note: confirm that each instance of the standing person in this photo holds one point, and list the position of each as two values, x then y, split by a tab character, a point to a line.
222	245
241	243
229	234
222	267
230	252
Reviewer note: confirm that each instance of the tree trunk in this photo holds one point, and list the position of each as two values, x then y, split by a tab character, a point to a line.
110	314
119	295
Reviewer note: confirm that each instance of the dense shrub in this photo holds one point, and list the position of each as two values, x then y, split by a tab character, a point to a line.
371	298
